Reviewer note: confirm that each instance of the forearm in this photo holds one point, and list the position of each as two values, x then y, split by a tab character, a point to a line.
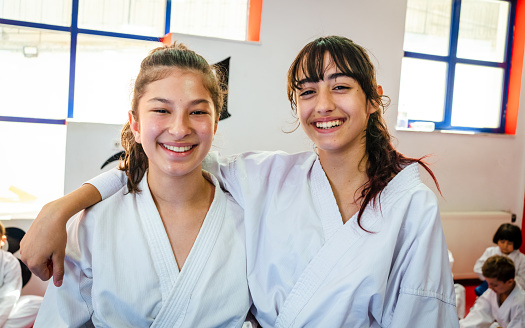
72	203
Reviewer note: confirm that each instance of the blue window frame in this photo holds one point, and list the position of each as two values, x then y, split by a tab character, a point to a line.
74	31
454	67
84	27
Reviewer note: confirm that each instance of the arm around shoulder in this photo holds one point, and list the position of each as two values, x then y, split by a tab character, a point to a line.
71	304
43	247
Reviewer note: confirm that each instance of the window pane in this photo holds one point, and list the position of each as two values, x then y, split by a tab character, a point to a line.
422	90
105	70
34	65
427	26
477	96
483	30
56	12
140	17
34	164
221	19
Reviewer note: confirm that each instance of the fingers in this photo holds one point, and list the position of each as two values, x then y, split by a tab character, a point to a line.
39	268
57	267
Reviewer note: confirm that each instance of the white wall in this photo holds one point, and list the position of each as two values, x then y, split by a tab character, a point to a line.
476	172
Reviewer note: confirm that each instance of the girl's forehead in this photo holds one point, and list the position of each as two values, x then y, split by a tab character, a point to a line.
317	69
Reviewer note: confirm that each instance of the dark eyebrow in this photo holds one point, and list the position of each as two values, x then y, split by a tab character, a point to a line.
337	75
330	77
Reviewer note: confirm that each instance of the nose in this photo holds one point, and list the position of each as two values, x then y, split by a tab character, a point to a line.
325	101
180	125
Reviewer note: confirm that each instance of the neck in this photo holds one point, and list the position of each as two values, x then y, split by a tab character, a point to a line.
189	190
503	296
346	172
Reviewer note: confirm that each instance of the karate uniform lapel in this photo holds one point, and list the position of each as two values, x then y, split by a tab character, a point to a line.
339	239
324	201
158	241
503	311
175	305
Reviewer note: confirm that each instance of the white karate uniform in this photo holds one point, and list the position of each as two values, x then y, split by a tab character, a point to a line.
15	311
459	290
121	271
308	269
516	256
511	314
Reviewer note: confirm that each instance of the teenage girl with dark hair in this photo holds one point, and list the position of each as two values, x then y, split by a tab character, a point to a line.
347	236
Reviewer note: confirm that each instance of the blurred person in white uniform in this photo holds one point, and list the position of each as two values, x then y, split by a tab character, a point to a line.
15	311
503	304
508	240
346	236
460	291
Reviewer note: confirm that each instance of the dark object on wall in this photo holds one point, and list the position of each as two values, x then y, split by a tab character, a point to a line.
14	236
224	67
118	156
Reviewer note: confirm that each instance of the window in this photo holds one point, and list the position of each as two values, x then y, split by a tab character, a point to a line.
76	59
456	68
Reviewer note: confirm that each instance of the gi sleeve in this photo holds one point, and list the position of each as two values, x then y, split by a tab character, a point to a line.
517	316
10	284
70	305
225	169
520	271
479	316
109	182
426	297
480	262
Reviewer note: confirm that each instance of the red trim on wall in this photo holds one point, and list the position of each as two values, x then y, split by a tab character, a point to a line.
166	39
522	248
516	67
254	20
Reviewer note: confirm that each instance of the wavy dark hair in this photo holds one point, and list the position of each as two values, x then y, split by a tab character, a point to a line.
383	162
157	65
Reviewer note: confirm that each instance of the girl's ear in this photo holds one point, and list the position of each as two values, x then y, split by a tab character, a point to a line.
372	106
135	127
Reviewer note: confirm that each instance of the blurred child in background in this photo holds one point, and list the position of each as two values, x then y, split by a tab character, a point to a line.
508	240
503	302
15	311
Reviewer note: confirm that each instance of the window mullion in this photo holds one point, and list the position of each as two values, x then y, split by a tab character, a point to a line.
508	59
452	60
167	22
72	58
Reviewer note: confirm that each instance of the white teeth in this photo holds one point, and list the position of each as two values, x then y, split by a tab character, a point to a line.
328	125
178	149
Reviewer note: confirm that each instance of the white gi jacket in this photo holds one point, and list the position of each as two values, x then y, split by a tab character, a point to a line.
516	256
511	314
121	271
10	284
307	269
